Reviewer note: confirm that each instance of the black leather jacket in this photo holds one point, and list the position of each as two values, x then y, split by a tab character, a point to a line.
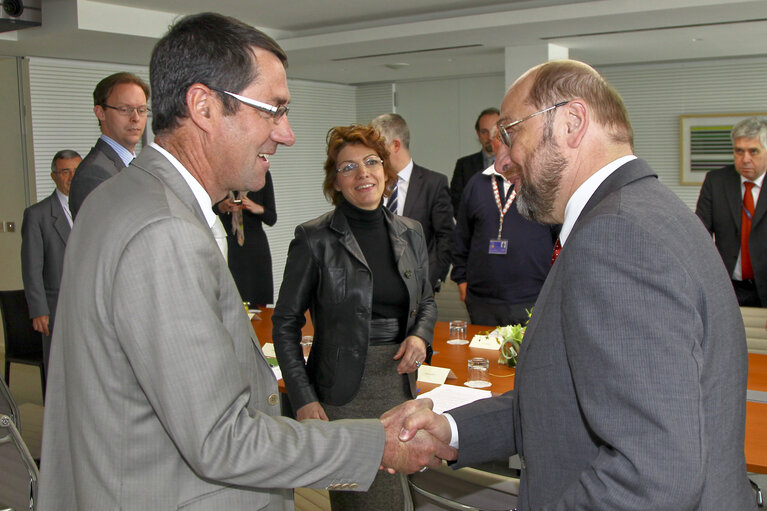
327	274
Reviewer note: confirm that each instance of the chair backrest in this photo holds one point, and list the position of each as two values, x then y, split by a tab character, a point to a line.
8	405
466	489
21	340
18	484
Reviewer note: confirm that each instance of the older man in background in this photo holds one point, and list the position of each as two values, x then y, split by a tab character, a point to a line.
44	233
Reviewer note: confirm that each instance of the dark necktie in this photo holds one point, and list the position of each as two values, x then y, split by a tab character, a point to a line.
747	214
557	250
392	204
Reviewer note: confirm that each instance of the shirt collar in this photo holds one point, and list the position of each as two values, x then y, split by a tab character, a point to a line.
125	155
584	192
404	174
64	201
203	199
757	182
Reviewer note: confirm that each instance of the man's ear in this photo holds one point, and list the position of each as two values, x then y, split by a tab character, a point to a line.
576	122
201	105
98	111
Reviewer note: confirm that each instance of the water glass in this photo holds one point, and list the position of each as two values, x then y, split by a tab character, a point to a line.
457	333
478	377
306	345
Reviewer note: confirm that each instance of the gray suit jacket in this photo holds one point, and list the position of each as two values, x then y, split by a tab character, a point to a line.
631	388
101	163
428	201
719	208
159	396
44	233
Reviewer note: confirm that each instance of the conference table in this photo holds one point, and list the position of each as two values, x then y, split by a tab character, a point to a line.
456	357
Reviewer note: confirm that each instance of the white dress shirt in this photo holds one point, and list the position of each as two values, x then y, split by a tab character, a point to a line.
64	201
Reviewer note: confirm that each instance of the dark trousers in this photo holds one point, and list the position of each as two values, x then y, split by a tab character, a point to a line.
745	290
497	314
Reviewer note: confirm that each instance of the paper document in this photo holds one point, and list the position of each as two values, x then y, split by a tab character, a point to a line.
447	397
485	342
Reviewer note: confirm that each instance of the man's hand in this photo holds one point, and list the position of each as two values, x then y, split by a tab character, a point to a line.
462	291
40	324
312	410
416	437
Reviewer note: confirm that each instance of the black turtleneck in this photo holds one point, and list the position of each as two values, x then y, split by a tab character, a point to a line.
390	297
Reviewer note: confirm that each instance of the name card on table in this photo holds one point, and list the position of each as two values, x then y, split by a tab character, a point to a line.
485	342
435	375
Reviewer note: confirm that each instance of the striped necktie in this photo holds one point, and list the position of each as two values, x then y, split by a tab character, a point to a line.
392	204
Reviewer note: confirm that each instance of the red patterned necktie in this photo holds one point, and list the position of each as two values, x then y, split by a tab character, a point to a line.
557	250
747	214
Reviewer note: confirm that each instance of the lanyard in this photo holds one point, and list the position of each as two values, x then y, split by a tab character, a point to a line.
501	209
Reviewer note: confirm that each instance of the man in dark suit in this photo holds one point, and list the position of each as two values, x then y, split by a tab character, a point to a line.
422	195
725	206
630	390
467	166
120	105
44	233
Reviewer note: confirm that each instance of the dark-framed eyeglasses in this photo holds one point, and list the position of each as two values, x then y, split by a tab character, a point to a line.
277	112
348	168
503	132
127	111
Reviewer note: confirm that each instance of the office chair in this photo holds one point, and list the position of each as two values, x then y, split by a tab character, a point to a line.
23	345
18	485
466	489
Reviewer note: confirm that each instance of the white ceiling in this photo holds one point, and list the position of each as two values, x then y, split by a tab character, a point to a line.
355	41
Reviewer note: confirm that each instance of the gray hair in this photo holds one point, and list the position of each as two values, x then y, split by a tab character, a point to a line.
753	127
391	127
64	154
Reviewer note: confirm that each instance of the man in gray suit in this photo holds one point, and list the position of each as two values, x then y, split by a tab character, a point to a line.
159	396
120	105
630	391
44	233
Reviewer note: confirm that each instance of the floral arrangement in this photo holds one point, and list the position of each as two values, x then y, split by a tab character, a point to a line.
512	342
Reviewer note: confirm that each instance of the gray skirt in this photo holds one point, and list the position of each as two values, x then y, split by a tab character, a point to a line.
381	388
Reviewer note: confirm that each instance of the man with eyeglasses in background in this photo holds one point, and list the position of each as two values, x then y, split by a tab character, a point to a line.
120	105
44	233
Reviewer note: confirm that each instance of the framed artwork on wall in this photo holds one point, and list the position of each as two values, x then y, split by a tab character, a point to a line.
705	143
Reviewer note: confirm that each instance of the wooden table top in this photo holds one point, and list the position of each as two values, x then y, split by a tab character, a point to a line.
502	379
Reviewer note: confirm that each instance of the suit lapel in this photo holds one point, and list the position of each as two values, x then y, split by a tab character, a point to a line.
340	226
111	154
414	190
59	218
761	208
734	198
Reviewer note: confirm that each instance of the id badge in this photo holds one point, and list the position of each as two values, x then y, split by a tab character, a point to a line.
499	247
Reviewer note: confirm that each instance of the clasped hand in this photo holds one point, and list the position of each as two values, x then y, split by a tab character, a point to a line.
416	437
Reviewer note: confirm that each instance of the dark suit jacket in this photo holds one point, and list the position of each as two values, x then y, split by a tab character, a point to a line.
44	234
465	168
101	163
428	201
719	207
631	385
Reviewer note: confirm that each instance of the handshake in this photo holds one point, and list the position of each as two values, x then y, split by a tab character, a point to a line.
416	438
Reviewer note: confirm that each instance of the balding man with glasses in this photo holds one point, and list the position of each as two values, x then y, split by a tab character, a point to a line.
120	105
